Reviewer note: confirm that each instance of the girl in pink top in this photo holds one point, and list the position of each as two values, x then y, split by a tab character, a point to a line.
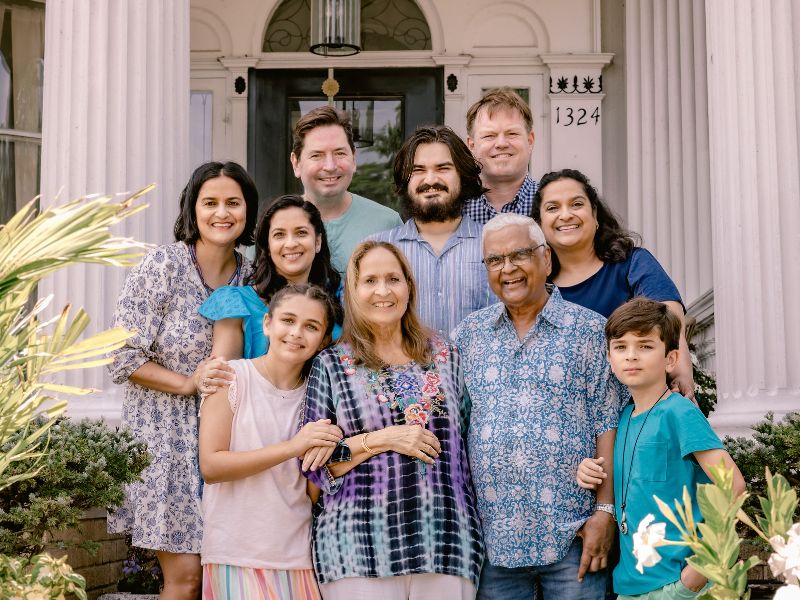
256	509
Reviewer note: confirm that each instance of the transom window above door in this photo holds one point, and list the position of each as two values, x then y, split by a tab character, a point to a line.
385	25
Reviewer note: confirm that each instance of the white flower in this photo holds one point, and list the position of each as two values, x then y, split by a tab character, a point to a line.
787	592
645	541
785	561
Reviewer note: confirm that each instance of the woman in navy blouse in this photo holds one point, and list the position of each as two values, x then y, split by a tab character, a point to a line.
596	263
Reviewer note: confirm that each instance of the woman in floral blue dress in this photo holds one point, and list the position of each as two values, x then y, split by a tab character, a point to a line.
164	365
397	515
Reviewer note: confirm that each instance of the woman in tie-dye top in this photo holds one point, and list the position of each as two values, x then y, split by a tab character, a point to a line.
397	515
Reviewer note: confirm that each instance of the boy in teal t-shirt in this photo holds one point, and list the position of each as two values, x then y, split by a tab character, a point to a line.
663	443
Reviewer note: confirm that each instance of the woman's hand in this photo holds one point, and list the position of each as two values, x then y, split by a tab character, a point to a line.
412	440
317	433
317	457
590	473
210	375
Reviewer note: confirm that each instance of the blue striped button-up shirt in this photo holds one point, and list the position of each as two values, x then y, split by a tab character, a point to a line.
450	285
480	210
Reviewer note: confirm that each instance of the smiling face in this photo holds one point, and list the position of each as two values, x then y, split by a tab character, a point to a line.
502	144
326	164
517	285
640	360
435	185
221	212
296	329
293	243
381	288
568	219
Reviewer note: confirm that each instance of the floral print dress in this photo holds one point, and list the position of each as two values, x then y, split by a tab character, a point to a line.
159	303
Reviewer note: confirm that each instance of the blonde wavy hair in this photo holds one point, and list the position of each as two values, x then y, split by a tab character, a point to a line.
357	330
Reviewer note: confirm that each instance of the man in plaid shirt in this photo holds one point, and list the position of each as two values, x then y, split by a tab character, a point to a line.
500	135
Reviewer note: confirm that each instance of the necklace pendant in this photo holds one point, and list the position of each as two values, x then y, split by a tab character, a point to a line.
623	524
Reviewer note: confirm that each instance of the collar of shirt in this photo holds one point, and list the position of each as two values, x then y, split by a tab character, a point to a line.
554	312
466	229
523	200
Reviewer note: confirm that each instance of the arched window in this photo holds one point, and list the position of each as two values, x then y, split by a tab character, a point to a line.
385	25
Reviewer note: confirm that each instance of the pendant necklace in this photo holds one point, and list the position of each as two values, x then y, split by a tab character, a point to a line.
623	521
232	281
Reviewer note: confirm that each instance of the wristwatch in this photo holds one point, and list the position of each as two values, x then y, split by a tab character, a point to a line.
607	508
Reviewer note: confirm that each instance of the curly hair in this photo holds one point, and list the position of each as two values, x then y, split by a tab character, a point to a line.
612	242
266	279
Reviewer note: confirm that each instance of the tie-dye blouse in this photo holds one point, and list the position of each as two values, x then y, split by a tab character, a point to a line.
394	515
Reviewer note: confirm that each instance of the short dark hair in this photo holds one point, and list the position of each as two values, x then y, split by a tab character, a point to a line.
612	242
186	229
468	169
265	278
641	316
496	99
319	117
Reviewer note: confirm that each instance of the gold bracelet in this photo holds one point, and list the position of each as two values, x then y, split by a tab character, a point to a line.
364	445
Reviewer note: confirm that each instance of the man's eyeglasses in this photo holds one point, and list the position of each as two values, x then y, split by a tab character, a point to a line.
521	256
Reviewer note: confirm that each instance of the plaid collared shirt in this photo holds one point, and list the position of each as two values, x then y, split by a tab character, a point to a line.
480	210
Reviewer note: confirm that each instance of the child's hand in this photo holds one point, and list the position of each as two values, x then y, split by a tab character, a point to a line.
590	473
317	457
316	433
692	580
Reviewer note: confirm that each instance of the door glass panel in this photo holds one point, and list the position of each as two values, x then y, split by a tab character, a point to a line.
377	134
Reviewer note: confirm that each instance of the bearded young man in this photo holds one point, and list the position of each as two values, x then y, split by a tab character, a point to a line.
434	172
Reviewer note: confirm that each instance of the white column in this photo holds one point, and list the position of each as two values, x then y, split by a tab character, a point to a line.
455	85
116	106
668	173
754	102
576	113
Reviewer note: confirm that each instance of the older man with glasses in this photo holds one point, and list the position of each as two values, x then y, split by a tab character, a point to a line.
543	397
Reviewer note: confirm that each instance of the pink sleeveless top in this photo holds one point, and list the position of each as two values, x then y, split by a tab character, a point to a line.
262	521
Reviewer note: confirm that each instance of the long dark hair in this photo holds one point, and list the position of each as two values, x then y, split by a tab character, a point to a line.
468	169
265	278
612	242
186	230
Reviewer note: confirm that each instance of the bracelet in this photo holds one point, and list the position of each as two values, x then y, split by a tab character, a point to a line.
606	508
364	445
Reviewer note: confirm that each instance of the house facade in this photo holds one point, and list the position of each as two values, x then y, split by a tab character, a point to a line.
684	114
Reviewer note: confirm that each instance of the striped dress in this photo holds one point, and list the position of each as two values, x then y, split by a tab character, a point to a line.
393	515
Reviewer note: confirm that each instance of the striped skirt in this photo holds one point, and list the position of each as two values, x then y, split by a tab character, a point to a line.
226	582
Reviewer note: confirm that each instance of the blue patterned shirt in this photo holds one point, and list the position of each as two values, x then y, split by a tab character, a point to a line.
538	406
451	285
480	209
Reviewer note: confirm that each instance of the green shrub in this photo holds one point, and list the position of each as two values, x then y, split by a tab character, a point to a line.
773	445
85	466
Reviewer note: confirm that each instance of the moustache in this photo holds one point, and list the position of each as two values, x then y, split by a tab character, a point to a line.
421	189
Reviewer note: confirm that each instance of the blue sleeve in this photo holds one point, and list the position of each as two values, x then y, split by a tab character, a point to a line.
692	429
646	277
225	303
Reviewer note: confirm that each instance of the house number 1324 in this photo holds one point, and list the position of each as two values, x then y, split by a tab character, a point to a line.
580	116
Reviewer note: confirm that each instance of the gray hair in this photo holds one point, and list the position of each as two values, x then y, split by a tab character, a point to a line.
504	220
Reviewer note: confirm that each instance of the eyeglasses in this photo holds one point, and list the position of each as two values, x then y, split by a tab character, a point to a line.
521	256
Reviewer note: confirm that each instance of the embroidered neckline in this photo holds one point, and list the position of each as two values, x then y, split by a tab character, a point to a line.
413	400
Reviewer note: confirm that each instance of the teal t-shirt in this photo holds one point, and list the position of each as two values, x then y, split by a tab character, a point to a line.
362	219
231	302
662	465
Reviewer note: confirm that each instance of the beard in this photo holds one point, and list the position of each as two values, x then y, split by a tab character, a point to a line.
436	211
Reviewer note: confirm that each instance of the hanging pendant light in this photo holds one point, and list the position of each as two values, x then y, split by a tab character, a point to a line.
335	27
